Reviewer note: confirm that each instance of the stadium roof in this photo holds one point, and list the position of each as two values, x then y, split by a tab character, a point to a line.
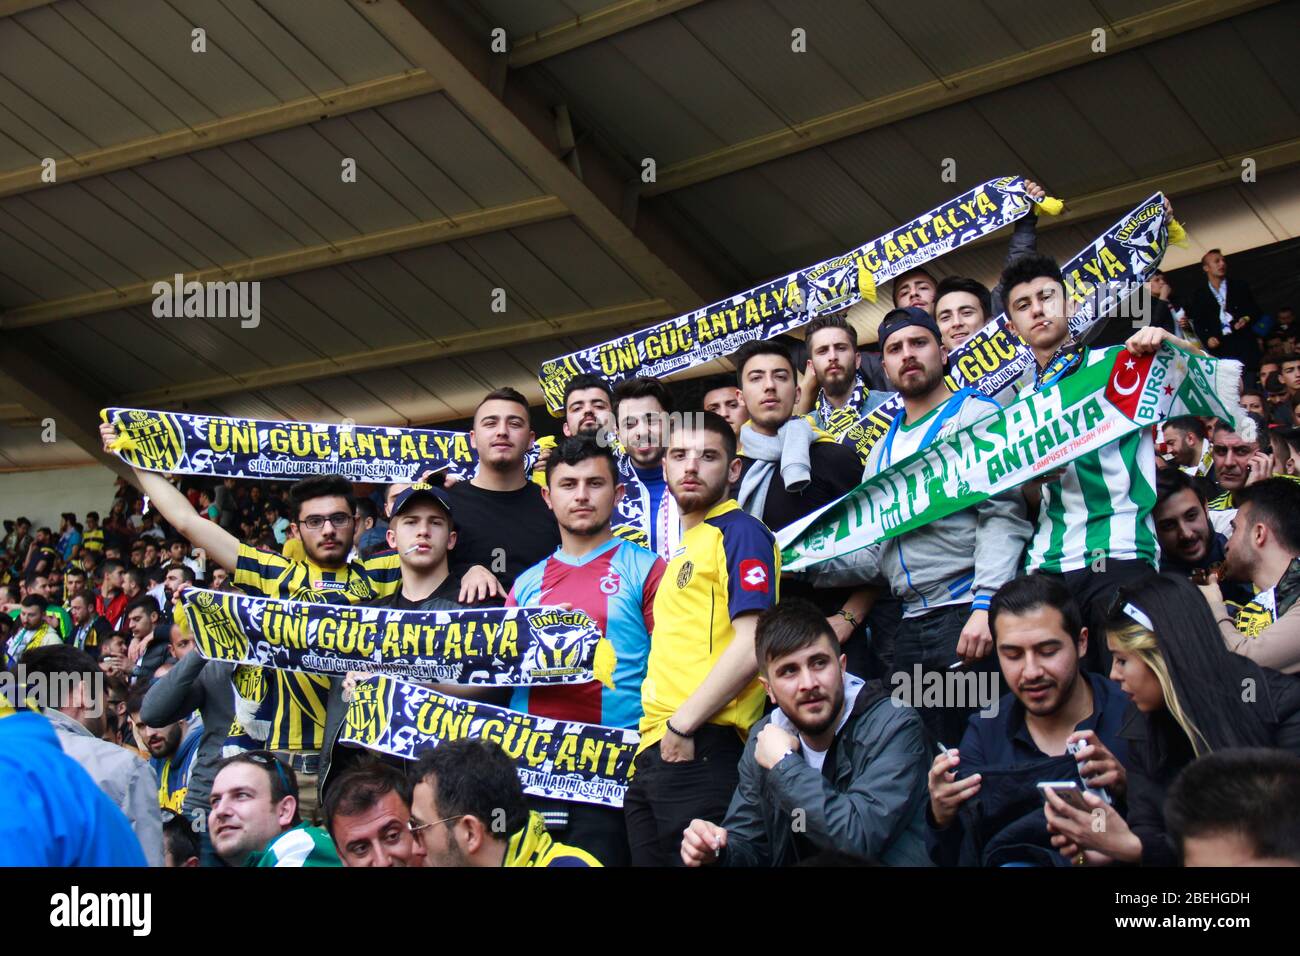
479	171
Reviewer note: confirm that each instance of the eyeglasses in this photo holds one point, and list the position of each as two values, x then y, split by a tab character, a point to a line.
339	519
417	831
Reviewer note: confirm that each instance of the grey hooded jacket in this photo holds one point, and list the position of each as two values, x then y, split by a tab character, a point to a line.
966	556
125	777
868	799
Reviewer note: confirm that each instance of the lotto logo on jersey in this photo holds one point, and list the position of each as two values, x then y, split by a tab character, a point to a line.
753	575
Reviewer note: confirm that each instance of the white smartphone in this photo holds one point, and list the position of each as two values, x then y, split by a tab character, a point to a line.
1067	790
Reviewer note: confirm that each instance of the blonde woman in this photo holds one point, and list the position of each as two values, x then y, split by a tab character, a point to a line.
1190	696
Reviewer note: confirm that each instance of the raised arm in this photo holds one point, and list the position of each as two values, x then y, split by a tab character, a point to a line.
221	546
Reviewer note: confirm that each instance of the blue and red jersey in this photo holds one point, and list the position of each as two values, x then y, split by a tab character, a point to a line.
615	585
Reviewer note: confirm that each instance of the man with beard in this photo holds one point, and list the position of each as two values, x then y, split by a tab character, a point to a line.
841	394
614	582
88	628
700	696
1041	642
503	526
1187	541
33	630
79	723
323	509
723	398
468	809
1188	447
589	410
851	759
1237	463
945	572
1263	552
1094	522
641	407
150	644
172	749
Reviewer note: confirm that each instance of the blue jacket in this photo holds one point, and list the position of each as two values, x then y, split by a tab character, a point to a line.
51	811
998	747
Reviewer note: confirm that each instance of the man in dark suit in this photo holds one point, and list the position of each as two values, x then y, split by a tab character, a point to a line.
1224	312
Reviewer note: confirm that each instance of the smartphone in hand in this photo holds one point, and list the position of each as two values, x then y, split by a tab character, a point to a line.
1067	790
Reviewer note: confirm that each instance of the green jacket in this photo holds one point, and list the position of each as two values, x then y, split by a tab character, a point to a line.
302	846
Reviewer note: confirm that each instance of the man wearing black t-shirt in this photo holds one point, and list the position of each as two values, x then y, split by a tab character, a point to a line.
788	472
503	525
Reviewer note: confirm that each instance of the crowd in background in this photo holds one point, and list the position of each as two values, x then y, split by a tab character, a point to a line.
1138	614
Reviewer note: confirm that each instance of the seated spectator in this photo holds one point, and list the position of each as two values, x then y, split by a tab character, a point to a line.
850	760
180	843
1237	808
88	629
1264	551
1188	693
79	720
33	630
468	809
254	820
148	647
1189	544
368	815
1040	640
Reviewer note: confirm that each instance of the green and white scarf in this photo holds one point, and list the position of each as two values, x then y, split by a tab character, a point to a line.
1038	433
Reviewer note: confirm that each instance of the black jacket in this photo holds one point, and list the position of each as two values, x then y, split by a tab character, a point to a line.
1158	750
1203	310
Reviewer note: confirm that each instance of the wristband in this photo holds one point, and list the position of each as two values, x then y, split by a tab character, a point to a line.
848	616
675	731
1226	620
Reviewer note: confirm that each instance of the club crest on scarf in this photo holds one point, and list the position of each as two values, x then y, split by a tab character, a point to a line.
155	440
368	712
558	650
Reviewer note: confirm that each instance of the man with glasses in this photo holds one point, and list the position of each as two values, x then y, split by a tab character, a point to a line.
255	821
322	508
468	809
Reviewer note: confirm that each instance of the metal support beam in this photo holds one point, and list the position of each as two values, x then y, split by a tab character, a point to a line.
620	317
1128	34
589	27
228	129
47	393
523	125
9	7
384	242
1175	183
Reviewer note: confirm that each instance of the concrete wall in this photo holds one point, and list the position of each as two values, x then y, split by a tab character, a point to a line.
44	495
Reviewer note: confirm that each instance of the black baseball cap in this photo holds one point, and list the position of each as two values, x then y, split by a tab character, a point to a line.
905	317
417	491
